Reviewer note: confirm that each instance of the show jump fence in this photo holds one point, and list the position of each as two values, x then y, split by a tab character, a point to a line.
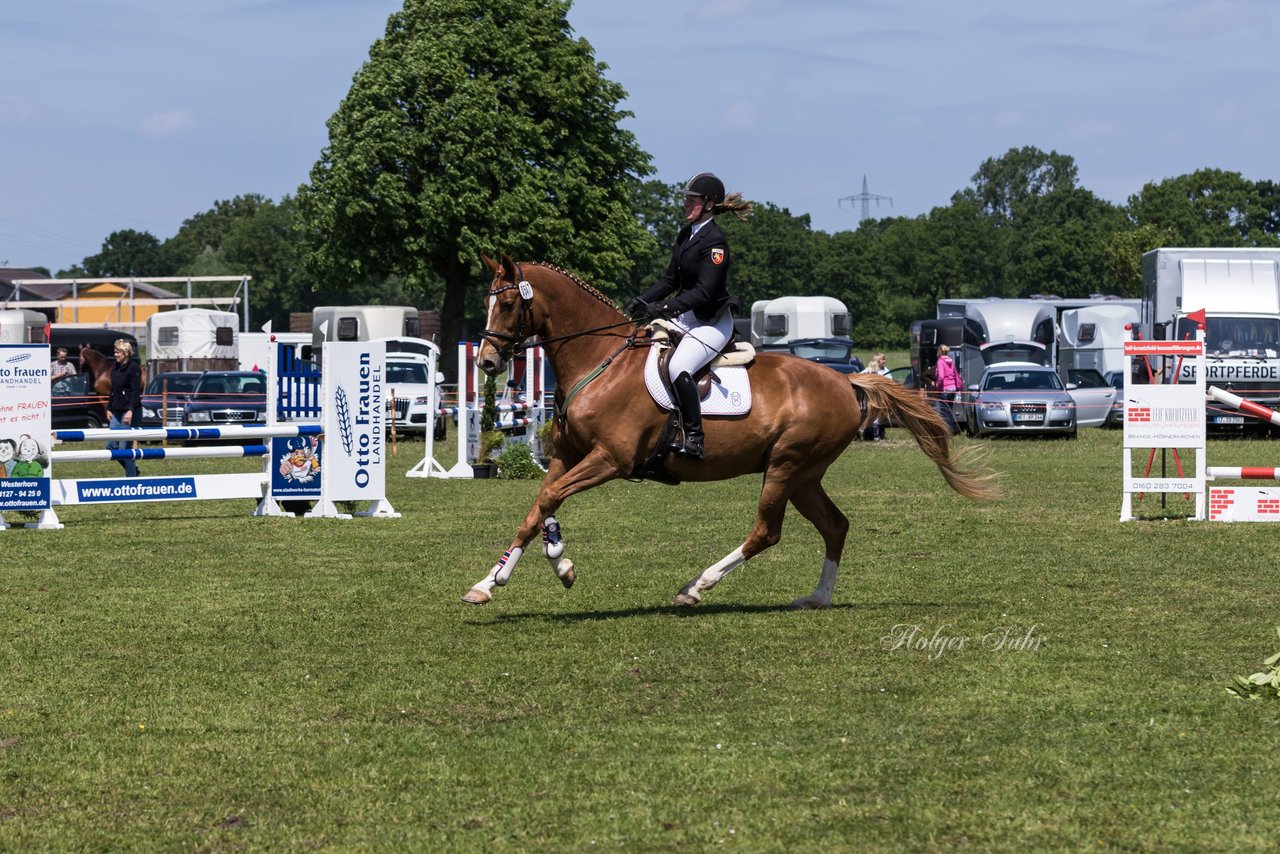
1172	417
311	452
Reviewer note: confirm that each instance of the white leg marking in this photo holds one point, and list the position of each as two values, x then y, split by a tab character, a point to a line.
691	593
821	597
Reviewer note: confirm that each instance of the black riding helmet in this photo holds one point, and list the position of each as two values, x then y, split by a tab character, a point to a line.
707	185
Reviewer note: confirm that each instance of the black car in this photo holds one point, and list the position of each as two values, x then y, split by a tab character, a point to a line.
835	353
75	406
227	397
167	393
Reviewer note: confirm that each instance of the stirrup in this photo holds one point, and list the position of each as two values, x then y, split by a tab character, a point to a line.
691	449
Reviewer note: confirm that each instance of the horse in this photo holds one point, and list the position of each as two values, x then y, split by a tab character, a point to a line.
99	368
803	415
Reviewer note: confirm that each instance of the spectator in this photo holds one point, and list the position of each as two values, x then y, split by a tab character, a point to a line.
874	431
60	367
948	384
124	406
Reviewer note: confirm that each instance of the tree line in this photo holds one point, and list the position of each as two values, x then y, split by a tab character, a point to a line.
488	127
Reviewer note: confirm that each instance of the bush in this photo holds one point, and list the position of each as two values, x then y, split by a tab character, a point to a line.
517	463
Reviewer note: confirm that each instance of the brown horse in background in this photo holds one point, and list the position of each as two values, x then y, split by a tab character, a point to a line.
803	416
99	368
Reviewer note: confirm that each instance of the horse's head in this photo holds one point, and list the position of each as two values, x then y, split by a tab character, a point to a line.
511	315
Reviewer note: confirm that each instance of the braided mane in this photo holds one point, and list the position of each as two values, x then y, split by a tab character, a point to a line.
577	281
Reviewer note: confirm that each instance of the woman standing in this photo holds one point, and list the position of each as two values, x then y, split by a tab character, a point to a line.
702	307
124	406
948	385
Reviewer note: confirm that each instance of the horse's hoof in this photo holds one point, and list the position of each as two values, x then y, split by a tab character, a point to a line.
476	596
684	599
809	603
568	574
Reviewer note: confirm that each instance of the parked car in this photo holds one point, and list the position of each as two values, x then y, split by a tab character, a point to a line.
1094	396
1115	418
1019	398
836	353
75	406
408	377
227	397
905	376
167	391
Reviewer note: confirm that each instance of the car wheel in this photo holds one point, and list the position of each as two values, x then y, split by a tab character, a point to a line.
95	423
440	431
971	428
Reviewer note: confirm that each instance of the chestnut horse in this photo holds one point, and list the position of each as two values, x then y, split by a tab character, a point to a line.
803	415
99	367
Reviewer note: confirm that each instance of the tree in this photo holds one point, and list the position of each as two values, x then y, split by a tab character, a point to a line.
1124	251
475	125
1209	207
128	253
1004	185
773	254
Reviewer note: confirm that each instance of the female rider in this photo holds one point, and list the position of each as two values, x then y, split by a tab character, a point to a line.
701	306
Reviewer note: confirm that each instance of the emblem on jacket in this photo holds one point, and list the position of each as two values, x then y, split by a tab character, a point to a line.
717	255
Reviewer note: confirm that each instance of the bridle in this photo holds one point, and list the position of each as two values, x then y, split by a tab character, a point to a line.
516	343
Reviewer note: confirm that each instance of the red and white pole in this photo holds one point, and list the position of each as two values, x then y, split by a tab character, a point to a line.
1248	406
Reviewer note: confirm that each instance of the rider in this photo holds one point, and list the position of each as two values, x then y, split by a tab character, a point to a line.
701	307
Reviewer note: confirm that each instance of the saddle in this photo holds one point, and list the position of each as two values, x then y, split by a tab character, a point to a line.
665	335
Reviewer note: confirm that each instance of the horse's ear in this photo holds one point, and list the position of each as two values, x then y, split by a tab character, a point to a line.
490	263
509	267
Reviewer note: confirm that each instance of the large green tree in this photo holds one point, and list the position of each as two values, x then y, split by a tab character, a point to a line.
475	126
1210	207
128	253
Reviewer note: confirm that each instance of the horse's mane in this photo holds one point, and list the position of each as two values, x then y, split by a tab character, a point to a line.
577	281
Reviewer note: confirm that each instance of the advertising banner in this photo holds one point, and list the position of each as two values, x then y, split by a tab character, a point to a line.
355	457
24	426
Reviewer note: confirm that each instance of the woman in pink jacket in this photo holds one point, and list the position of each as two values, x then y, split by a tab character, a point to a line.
948	385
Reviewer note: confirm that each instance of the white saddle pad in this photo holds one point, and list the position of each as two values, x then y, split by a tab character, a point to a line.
730	396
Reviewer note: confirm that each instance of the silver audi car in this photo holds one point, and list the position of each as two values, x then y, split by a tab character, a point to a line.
1019	398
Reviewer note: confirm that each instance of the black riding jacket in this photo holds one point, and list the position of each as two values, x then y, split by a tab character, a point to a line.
698	275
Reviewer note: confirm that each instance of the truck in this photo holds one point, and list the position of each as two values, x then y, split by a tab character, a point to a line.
1239	292
1000	330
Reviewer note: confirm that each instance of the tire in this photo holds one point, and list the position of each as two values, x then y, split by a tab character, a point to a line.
94	422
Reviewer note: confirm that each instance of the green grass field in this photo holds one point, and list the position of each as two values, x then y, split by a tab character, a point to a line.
1024	675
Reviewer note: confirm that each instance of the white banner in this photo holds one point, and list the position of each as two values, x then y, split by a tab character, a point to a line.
24	426
354	412
1164	416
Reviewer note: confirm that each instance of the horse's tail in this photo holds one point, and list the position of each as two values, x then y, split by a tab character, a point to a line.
964	470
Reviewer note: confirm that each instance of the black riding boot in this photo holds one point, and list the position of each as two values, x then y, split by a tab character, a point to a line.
691	416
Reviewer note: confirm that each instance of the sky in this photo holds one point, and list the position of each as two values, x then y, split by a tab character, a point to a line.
138	114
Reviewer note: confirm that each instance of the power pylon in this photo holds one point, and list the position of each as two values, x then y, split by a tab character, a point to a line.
866	199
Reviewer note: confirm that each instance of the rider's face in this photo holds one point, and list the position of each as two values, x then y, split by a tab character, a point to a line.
694	208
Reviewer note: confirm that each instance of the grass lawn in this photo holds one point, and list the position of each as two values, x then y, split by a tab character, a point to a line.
1023	675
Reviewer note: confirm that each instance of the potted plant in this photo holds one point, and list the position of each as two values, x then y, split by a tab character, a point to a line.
490	438
546	441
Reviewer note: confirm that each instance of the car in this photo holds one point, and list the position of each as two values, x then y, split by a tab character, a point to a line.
1019	398
408	378
75	406
226	397
904	376
165	397
1115	418
836	353
1094	396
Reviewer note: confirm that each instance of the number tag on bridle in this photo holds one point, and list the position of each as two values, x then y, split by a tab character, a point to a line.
526	290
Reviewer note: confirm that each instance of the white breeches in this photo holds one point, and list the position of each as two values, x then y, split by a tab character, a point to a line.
701	342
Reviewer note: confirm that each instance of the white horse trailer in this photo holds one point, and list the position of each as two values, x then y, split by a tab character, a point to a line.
776	322
22	326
